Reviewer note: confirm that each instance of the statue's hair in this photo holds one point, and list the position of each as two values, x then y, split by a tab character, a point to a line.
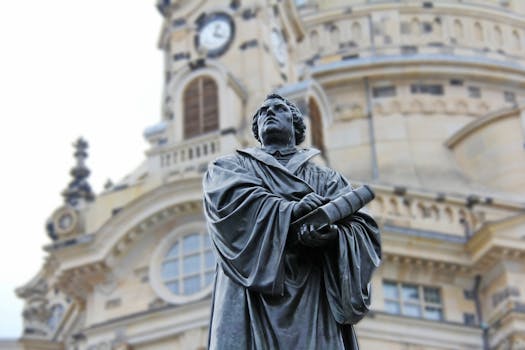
298	123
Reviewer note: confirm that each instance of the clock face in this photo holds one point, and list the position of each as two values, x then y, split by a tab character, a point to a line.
279	47
215	34
65	221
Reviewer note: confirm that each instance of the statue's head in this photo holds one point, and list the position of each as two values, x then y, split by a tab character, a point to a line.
298	128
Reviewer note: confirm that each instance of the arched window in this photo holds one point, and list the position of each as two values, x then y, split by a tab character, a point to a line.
314	39
498	36
458	29
55	316
415	27
334	35
516	41
189	265
356	32
437	26
316	124
478	32
201	107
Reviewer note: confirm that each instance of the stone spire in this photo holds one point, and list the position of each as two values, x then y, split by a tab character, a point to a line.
79	187
163	6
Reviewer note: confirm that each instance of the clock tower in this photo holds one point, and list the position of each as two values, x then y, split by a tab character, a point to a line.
221	59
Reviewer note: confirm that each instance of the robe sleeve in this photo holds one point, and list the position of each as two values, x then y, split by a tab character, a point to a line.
348	266
248	225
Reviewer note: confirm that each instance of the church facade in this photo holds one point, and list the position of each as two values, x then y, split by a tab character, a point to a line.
419	99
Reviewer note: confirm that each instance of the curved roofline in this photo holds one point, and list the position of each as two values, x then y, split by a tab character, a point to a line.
423	64
476	124
135	218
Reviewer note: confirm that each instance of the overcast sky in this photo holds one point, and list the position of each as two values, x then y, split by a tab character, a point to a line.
68	68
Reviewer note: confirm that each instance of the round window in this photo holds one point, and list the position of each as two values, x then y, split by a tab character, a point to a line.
189	265
183	265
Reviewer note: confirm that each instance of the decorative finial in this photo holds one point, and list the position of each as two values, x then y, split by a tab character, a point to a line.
79	187
108	185
163	6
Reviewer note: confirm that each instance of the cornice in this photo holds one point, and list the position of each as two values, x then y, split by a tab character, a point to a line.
157	323
40	344
418	64
507	321
395	329
488	245
79	282
37	286
139	216
443	265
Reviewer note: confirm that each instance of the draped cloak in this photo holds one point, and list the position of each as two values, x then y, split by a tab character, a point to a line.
271	293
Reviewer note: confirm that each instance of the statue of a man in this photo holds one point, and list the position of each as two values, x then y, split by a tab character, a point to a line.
278	286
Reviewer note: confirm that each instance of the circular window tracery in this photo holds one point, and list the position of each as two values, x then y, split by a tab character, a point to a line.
189	265
183	265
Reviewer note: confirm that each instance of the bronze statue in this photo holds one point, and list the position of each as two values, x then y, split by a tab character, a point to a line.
295	257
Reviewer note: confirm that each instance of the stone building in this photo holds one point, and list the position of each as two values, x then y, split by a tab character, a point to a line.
419	99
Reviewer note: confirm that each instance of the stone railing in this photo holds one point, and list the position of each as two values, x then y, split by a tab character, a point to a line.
190	155
423	212
365	30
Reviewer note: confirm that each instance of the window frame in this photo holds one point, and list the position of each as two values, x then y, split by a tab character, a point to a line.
384	91
159	283
195	109
55	318
435	89
420	302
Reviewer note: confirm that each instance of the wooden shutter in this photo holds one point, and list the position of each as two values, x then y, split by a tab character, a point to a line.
201	107
210	103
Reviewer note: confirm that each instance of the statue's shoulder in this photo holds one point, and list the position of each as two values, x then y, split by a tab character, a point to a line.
228	160
326	174
317	167
248	151
231	157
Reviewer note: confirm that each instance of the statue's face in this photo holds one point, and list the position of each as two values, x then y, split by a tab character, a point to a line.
275	120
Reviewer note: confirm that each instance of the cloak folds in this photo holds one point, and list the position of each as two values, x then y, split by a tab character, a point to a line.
273	295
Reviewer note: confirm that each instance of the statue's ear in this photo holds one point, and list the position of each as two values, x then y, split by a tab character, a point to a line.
293	133
299	138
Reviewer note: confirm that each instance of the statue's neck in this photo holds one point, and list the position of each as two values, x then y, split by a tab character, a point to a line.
282	148
278	142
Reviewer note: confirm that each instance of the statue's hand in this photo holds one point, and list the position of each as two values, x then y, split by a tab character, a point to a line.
308	203
312	236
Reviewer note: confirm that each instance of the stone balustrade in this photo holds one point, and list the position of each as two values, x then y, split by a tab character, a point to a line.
410	28
187	155
418	211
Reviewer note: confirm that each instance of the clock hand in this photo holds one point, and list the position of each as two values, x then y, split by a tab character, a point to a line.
217	31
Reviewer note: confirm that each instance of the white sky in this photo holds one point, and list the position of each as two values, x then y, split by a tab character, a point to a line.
67	69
